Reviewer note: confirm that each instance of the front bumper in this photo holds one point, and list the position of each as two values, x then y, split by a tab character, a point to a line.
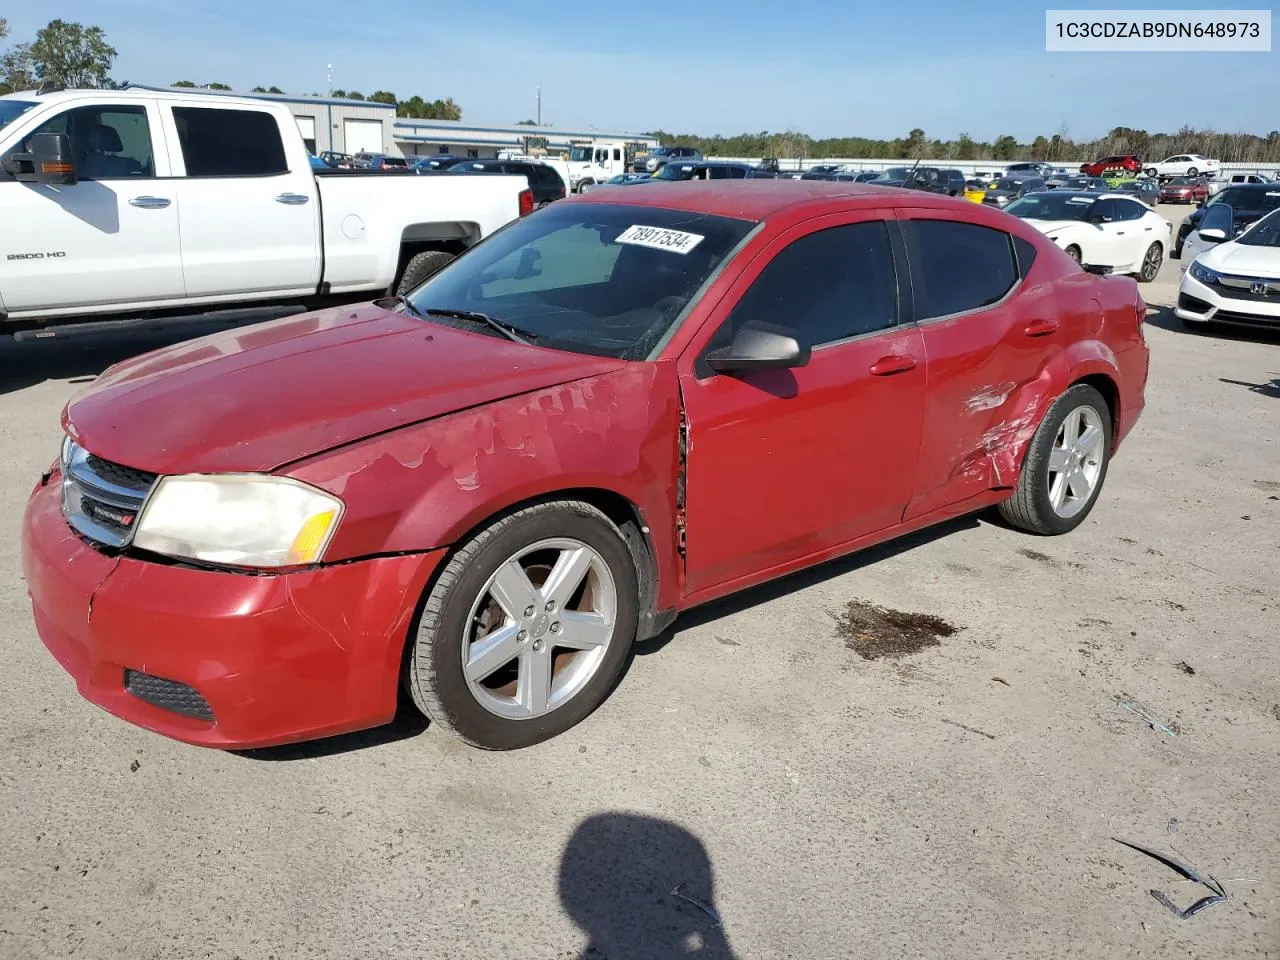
276	658
1200	303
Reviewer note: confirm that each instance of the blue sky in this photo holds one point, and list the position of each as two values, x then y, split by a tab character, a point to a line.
823	67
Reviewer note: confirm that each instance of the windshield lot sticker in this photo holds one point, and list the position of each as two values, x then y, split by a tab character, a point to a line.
1079	200
660	239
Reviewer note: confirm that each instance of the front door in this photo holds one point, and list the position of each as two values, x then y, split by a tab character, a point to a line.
109	239
786	464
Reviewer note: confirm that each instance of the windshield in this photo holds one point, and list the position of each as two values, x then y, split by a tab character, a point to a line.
10	110
675	171
1264	233
1181	182
579	154
1248	198
1051	206
894	173
603	279
1005	183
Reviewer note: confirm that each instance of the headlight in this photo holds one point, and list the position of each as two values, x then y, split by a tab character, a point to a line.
243	520
1203	273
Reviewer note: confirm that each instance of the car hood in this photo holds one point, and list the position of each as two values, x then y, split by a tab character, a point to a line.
256	398
1243	260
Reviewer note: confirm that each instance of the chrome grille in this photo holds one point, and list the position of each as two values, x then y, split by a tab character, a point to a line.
1243	288
101	500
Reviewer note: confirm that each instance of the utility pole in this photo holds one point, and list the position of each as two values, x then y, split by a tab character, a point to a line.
331	79
539	106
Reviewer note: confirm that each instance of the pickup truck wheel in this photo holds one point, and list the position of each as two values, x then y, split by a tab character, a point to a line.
527	627
420	267
1065	466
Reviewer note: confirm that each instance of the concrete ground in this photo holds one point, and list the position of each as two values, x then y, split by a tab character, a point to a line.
958	802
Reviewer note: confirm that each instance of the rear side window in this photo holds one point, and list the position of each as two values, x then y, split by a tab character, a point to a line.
957	267
1026	254
826	286
1130	210
229	143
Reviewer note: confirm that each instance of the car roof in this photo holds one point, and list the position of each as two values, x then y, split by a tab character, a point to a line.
759	199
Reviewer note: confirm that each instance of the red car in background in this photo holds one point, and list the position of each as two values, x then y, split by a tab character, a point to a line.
615	409
1127	162
1184	190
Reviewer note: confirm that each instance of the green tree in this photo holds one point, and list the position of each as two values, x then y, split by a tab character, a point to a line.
4	28
218	86
274	89
966	149
72	54
182	83
258	90
1040	149
339	94
355	95
526	123
383	96
17	70
1005	148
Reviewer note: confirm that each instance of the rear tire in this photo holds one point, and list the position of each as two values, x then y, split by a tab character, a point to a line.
1192	172
1152	261
420	267
1152	172
1065	466
502	675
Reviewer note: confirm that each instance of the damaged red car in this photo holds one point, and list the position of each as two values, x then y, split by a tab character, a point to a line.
622	406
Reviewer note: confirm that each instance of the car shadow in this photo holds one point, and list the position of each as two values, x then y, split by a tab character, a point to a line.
80	357
408	723
810	576
640	886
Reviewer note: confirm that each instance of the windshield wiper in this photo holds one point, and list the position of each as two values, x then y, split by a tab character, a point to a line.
404	304
508	330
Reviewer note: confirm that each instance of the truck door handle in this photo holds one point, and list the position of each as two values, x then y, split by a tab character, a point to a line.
293	199
1040	328
894	363
150	203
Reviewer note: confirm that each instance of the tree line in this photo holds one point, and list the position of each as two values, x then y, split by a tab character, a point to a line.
415	107
1228	147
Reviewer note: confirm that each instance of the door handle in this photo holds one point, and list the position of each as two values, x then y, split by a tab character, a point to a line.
150	203
1040	328
894	363
293	199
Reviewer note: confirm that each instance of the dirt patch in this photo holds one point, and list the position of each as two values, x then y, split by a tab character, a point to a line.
1186	668
874	632
1038	557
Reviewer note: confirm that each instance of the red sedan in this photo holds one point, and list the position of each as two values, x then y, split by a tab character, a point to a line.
1184	190
615	409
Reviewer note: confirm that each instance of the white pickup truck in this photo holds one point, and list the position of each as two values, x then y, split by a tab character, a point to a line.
135	203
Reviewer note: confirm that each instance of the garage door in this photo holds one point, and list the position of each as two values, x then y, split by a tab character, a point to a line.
307	127
362	136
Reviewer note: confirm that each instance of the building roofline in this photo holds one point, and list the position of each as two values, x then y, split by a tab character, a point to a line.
274	97
523	130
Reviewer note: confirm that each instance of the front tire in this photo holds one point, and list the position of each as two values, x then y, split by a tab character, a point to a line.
1065	466
1152	172
420	267
1152	260
1192	172
527	627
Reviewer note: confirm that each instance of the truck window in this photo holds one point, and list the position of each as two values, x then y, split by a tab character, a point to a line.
229	143
107	142
617	154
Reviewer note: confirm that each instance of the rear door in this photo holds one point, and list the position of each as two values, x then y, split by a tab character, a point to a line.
112	237
250	224
784	464
986	336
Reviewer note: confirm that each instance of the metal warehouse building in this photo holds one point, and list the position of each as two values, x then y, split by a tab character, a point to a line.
343	126
431	137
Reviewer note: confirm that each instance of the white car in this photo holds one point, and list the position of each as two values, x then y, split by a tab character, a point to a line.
1111	230
1233	281
1221	181
1183	165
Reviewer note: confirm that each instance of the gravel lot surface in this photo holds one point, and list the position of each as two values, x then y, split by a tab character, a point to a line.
955	801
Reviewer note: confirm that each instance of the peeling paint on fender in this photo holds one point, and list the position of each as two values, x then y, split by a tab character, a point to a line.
988	398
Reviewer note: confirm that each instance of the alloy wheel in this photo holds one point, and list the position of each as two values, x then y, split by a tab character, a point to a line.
539	629
1151	262
1075	461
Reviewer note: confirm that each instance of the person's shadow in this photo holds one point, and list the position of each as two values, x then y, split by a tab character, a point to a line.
640	887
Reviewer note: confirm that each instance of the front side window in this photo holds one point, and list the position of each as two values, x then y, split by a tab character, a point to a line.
826	286
229	143
603	279
957	267
107	142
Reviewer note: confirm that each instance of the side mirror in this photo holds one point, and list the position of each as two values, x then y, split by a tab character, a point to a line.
48	162
1213	235
530	264
759	348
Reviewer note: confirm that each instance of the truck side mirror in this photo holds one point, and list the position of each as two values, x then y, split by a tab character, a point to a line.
48	162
